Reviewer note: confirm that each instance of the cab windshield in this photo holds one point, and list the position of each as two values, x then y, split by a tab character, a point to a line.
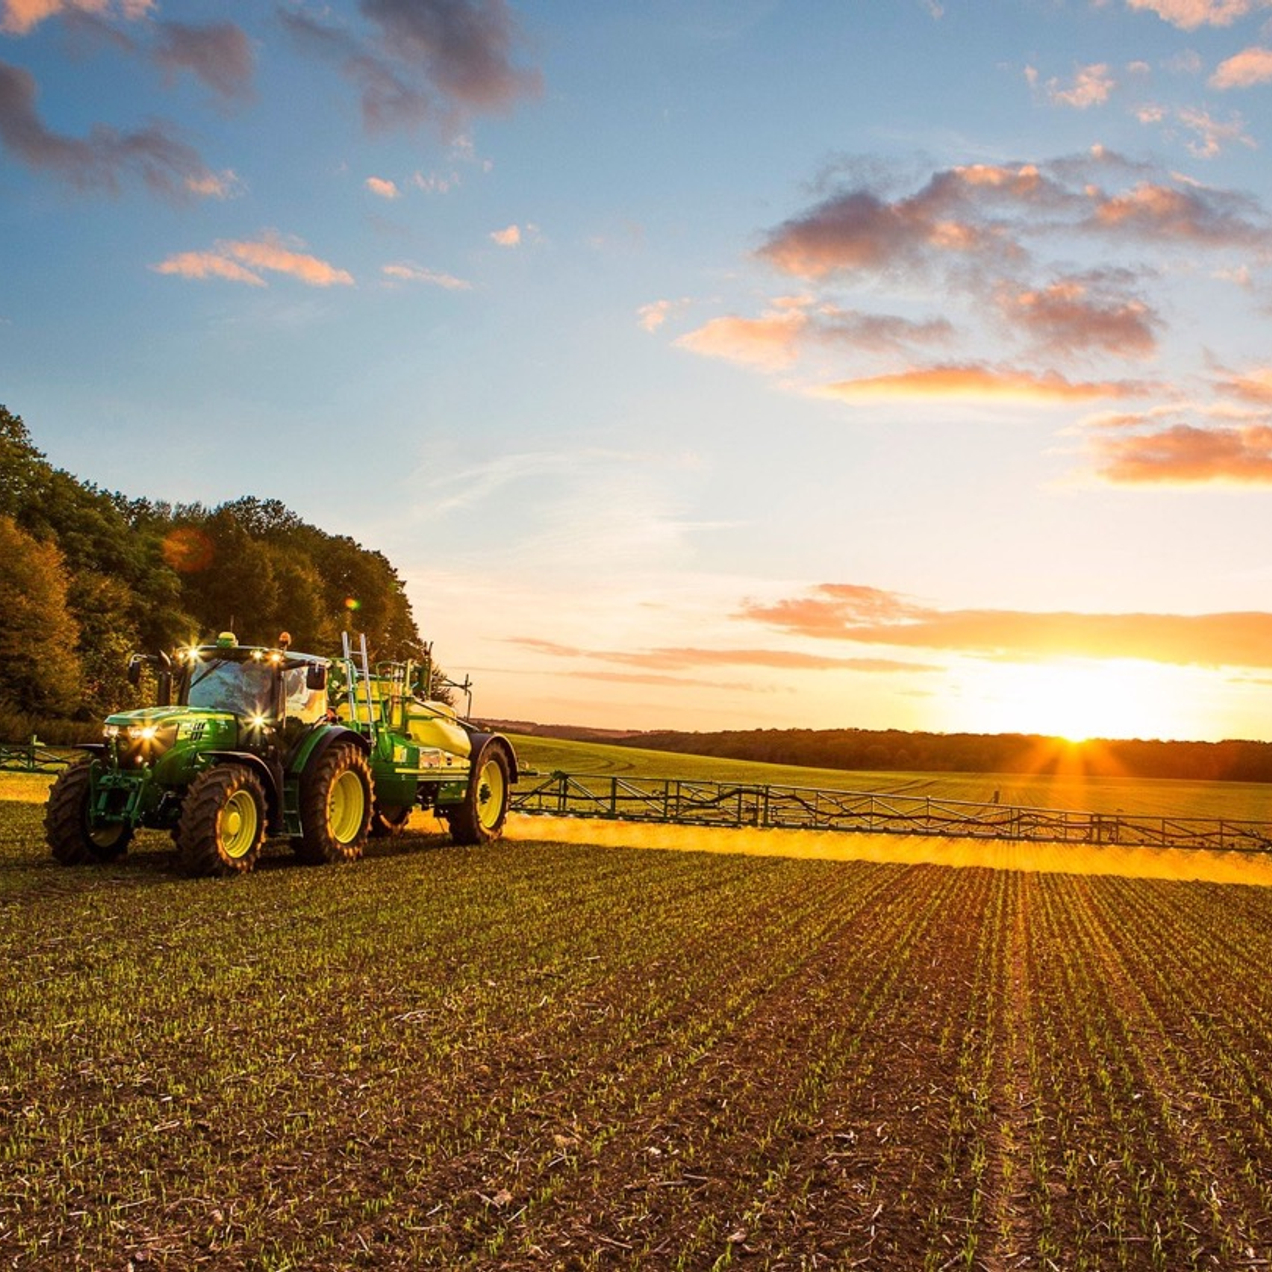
221	684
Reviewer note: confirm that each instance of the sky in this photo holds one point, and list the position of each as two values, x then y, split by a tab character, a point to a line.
700	364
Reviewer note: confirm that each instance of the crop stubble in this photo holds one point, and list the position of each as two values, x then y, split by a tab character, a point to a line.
550	1055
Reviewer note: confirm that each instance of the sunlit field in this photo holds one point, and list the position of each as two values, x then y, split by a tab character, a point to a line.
561	1055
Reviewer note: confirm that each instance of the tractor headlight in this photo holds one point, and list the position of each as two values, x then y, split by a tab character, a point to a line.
111	731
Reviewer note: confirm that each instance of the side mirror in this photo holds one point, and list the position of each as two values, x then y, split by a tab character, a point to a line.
315	676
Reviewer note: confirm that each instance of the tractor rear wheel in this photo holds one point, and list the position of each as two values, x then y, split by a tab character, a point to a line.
480	818
222	824
71	838
335	806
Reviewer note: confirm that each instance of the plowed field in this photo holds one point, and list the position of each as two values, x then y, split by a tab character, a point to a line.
549	1055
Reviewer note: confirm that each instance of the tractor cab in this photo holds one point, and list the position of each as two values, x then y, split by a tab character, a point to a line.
257	685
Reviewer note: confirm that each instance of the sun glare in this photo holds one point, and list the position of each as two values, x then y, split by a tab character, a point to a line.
1079	699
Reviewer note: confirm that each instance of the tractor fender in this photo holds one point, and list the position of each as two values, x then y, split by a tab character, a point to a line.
482	740
312	746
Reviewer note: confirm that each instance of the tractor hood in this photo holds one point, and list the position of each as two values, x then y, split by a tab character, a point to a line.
163	719
144	737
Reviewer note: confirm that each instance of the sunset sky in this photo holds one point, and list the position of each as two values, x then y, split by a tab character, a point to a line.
706	364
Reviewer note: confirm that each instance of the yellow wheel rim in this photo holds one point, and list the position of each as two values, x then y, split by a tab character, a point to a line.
238	824
347	807
490	794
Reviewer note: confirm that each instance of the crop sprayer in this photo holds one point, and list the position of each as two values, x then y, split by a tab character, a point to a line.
248	741
251	741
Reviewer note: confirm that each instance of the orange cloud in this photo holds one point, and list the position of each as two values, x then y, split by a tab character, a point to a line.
1253	386
1191	14
1092	86
869	616
1066	318
270	253
775	339
681	659
1250	66
769	342
1195	214
979	383
385	189
17	17
1187	455
207	265
508	237
267	253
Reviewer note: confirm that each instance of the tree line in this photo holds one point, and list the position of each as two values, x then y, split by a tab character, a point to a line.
894	750
88	576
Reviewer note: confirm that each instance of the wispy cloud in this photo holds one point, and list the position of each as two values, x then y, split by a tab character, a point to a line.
794	323
653	315
1214	136
242	261
382	187
867	615
976	382
219	54
424	61
208	265
1251	386
684	658
509	236
406	272
106	158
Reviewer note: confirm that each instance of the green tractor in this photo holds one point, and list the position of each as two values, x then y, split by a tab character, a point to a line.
249	741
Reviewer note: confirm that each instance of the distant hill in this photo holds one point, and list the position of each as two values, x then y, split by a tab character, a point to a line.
894	750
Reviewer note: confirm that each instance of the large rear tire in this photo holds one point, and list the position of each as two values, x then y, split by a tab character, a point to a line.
480	818
222	824
335	806
71	839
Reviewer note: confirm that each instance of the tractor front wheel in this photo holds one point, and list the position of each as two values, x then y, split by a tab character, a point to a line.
335	806
222	824
480	818
71	837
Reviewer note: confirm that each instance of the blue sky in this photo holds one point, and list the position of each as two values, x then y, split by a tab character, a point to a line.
700	364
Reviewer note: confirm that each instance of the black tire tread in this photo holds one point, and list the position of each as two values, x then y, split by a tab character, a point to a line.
65	822
466	826
198	849
315	845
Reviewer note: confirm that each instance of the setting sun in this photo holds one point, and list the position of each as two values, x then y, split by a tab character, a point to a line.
1079	699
